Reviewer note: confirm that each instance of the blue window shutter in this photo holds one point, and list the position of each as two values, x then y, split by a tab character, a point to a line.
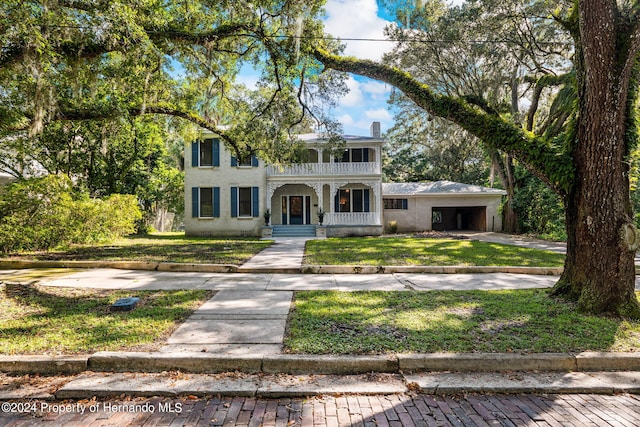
254	161
234	202
255	201
195	202
365	154
216	152
234	161
216	202
366	200
195	154
405	204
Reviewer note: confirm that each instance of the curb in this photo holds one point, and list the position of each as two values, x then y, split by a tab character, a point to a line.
144	362
453	269
305	269
121	265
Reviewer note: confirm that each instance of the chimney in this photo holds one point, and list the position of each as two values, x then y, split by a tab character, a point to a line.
375	130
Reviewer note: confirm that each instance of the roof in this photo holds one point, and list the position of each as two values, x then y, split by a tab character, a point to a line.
437	188
320	137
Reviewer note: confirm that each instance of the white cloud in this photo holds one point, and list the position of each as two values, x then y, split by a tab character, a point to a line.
355	96
346	120
378	114
357	19
376	90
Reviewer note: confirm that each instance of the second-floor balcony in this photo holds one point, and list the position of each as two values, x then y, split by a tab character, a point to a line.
327	169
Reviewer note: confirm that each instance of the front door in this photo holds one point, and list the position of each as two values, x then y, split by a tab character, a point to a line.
296	210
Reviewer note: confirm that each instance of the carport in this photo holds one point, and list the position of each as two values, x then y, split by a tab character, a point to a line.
471	218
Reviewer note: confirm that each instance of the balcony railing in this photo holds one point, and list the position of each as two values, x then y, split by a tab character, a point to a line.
352	218
306	169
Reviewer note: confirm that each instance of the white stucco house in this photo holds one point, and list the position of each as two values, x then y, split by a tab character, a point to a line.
332	196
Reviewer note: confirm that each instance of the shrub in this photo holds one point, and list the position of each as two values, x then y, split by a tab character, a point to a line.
42	213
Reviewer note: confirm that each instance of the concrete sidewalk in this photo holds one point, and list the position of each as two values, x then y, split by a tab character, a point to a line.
235	322
284	255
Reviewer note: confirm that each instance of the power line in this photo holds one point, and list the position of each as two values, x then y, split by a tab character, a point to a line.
349	39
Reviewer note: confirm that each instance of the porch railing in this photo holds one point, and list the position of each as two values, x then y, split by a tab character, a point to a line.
363	168
352	218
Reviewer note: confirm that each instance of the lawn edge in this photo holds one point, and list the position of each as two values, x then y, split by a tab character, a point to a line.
320	364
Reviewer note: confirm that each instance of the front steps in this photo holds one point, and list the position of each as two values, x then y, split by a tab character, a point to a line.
294	231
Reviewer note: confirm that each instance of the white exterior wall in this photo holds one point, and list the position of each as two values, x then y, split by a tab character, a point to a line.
225	176
418	215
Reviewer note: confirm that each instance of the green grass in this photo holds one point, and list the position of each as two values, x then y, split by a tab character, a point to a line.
165	247
418	251
449	321
47	320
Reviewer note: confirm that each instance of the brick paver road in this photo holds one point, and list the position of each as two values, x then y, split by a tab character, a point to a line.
393	410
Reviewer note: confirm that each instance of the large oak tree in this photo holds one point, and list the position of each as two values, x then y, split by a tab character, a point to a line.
587	163
81	60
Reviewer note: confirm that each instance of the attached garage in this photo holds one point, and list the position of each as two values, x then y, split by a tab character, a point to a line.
462	218
442	206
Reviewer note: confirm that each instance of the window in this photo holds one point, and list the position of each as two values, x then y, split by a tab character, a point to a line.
352	200
436	217
395	203
354	155
345	201
244	201
358	200
247	160
206	153
205	202
244	161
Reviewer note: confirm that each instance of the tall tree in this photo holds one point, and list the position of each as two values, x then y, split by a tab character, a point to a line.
479	52
73	60
585	162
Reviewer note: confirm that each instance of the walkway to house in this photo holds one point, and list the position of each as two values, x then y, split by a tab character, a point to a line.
284	254
241	321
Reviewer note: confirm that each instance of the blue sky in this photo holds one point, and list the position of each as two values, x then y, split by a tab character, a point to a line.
366	101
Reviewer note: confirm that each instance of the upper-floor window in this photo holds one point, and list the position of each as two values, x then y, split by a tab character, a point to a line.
355	155
246	160
205	153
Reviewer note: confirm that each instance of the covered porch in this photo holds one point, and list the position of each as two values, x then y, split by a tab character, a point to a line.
351	204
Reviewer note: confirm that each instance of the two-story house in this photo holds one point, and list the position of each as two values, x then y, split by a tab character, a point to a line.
230	196
327	195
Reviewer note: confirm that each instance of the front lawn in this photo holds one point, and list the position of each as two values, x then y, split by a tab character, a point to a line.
36	319
449	321
381	251
161	247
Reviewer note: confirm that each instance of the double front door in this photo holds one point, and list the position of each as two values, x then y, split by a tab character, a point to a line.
296	210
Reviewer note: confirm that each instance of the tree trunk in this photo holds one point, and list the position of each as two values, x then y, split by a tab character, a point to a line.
602	240
504	169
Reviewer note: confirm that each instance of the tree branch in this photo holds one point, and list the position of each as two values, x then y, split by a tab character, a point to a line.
556	168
